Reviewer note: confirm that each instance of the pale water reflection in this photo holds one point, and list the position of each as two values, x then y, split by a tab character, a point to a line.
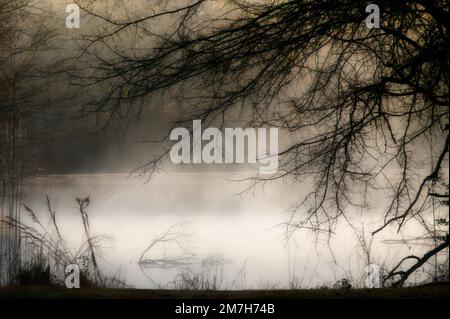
235	237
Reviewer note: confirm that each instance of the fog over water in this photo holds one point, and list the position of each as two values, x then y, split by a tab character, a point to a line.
241	232
216	224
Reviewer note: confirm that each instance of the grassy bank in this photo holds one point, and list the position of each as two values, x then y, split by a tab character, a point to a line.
436	291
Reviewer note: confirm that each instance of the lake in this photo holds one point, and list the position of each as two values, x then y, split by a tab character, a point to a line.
232	236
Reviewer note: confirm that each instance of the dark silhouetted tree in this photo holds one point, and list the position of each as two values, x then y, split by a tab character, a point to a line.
362	108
